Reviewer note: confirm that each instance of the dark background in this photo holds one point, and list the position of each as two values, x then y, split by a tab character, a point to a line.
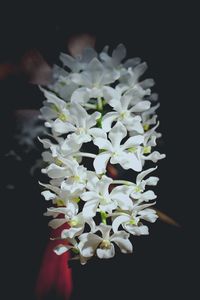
166	36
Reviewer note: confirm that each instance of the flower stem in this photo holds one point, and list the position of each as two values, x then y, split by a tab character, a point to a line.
103	217
100	104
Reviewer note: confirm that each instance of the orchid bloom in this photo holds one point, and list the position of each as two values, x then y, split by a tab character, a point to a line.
124	154
103	245
97	111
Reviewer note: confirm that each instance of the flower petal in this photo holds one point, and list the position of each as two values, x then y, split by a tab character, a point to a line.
54	171
143	174
103	185
148	214
106	253
136	230
140	69
90	208
116	135
118	221
79	114
152	180
149	195
88	196
89	244
120	195
133	141
105	230
52	98
100	162
48	195
81	95
92	119
108	119
103	144
62	127
134	124
154	156
120	238
128	161
141	106
109	93
119	53
98	133
69	61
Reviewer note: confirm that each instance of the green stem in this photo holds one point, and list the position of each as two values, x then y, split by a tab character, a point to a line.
103	217
100	105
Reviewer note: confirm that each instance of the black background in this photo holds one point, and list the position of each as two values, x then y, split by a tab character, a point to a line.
166	36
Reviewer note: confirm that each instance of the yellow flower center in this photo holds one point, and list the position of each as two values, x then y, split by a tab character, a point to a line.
105	244
73	223
76	178
63	117
58	162
147	150
60	202
132	149
123	115
132	222
146	127
138	189
76	199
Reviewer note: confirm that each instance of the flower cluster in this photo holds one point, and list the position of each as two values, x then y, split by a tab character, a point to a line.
99	112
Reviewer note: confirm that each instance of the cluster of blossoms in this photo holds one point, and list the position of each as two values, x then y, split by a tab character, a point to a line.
99	113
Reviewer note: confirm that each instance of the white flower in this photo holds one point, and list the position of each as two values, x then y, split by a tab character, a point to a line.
99	198
123	112
73	245
137	190
68	213
55	171
92	80
62	248
56	113
115	60
126	155
83	123
131	220
75	221
130	224
103	246
150	141
118	55
65	149
130	80
77	179
103	114
62	84
77	224
59	196
149	117
79	62
68	147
